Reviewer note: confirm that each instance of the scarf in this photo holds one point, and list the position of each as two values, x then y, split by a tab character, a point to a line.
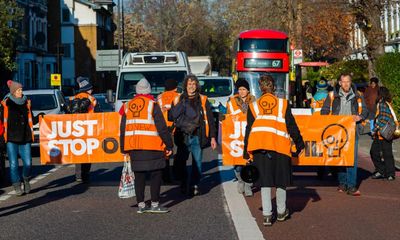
18	101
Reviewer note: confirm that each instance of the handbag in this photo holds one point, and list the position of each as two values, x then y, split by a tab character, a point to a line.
127	184
387	132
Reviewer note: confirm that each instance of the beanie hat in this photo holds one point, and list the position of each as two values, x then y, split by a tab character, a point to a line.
242	83
171	84
143	87
13	86
322	85
84	84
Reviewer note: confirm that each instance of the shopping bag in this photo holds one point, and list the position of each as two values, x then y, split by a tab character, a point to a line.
127	183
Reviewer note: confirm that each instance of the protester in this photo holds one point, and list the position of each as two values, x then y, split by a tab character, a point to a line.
382	147
270	128
236	105
370	96
195	130
319	97
83	102
345	100
18	134
165	100
146	148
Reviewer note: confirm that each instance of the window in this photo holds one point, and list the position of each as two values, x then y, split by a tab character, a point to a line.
43	102
216	87
263	45
65	15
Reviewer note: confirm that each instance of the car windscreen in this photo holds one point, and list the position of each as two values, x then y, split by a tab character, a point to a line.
128	81
42	102
104	105
216	87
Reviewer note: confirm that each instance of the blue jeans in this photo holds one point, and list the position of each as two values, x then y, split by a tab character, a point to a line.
24	150
192	145
348	175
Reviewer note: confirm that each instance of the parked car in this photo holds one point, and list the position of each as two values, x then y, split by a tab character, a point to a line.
47	101
104	105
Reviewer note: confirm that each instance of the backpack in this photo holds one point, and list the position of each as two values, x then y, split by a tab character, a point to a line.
79	105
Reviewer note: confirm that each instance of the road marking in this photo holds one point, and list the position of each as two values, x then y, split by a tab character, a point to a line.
33	181
245	224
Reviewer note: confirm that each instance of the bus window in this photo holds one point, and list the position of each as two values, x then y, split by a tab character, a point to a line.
263	45
253	77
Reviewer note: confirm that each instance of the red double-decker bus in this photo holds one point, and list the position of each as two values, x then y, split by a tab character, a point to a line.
261	52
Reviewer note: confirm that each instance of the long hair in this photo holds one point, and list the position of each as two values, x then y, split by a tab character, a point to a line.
384	95
191	77
267	84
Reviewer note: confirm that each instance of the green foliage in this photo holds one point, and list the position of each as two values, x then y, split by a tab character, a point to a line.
10	14
312	75
358	69
388	71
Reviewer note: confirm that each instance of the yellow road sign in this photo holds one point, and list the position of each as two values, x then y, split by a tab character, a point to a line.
55	79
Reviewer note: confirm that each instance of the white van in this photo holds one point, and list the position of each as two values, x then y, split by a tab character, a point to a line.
156	67
218	90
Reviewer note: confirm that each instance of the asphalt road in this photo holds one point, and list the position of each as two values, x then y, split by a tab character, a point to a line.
60	208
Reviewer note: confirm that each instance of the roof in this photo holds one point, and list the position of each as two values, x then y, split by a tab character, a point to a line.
313	64
263	33
40	91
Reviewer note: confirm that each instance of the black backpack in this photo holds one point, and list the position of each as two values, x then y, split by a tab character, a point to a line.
79	105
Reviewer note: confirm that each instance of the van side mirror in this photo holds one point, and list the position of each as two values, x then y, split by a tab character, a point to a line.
110	96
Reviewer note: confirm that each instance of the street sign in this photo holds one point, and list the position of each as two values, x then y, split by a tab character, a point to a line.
55	79
298	56
107	60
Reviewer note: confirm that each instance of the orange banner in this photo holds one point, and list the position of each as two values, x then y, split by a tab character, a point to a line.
80	138
329	140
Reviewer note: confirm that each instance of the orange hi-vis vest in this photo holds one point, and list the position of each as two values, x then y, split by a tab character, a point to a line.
203	106
140	129
233	107
5	118
92	99
269	131
165	100
317	105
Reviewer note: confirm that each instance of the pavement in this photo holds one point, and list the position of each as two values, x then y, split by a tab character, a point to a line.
318	211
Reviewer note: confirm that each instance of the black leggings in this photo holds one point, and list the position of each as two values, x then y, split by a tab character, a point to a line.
155	185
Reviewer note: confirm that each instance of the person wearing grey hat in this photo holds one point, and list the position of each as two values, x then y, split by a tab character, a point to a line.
148	147
83	102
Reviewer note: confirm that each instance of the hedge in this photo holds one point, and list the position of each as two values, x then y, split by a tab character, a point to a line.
358	69
388	71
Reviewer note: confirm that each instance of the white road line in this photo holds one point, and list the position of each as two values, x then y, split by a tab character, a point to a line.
245	224
33	181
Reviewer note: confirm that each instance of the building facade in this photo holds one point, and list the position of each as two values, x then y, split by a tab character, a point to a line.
83	28
34	62
390	23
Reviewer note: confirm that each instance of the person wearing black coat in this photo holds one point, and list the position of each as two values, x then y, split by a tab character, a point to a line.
18	123
147	161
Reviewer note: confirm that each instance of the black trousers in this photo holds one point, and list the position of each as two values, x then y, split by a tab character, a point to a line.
82	171
379	149
155	185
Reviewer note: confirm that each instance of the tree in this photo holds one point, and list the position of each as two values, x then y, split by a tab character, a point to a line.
367	15
10	15
326	31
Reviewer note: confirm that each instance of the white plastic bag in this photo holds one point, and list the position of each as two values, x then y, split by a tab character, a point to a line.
127	183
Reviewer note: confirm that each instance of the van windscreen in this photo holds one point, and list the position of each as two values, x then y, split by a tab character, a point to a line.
128	81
